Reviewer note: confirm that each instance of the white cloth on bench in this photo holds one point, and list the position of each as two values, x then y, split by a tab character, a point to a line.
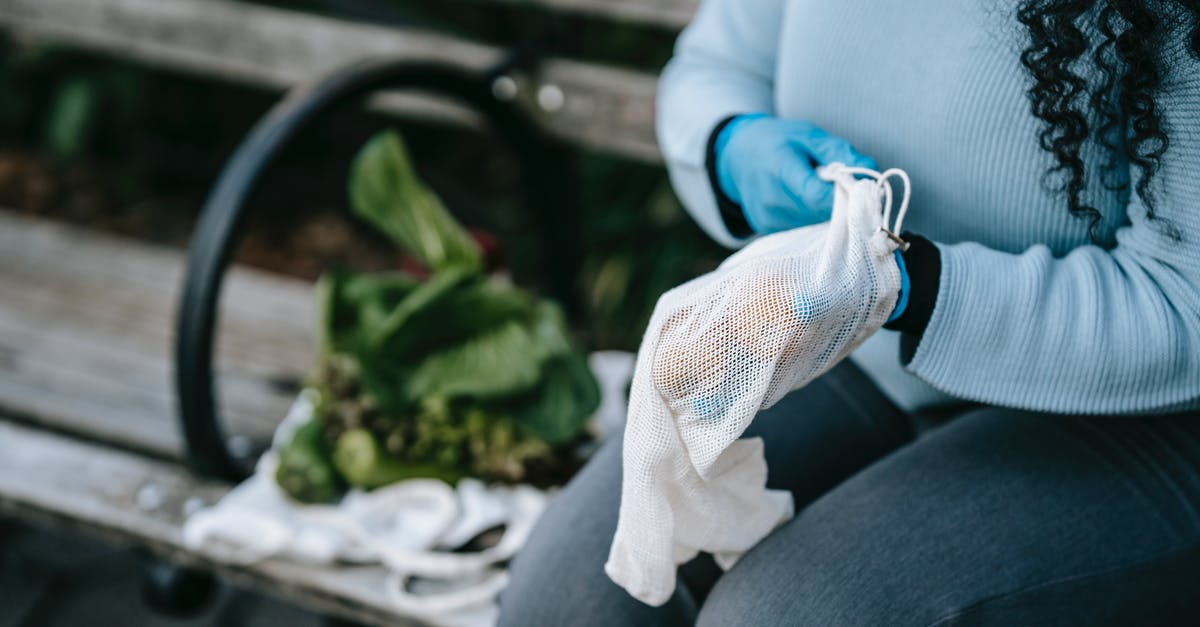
409	528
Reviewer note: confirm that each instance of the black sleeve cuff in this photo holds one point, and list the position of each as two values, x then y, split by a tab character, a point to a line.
924	264
731	213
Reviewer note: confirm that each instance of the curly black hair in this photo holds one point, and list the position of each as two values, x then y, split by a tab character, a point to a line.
1128	62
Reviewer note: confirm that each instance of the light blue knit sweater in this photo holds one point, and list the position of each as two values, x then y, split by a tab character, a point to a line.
1029	314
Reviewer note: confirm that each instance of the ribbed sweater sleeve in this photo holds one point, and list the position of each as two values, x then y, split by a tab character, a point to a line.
1093	331
724	65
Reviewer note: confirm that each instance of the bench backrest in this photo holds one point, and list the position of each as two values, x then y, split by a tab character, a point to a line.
600	107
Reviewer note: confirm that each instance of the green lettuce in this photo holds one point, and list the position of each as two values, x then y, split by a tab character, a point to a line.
458	374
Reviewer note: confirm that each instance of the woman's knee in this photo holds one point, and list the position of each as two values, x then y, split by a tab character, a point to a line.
821	434
558	578
993	503
795	579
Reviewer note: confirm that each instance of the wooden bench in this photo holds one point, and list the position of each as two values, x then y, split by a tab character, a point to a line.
605	108
89	438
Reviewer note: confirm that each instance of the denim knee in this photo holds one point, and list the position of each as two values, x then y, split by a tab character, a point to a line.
558	578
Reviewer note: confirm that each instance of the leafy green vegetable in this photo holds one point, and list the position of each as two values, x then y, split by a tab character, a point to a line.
457	375
499	362
366	465
551	415
350	305
433	292
549	327
467	310
385	191
305	471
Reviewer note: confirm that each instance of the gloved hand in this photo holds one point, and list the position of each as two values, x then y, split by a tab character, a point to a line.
767	166
726	345
905	288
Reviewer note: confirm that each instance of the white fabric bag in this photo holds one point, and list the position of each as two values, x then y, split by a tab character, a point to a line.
721	348
411	528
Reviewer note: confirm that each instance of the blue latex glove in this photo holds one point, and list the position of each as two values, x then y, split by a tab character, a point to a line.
902	302
767	165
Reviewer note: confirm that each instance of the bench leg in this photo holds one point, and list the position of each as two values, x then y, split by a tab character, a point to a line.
8	529
177	591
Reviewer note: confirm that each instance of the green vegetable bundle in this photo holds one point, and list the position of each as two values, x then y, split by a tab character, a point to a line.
459	374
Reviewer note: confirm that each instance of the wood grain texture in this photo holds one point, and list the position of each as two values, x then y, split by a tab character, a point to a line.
603	108
87	338
672	14
51	479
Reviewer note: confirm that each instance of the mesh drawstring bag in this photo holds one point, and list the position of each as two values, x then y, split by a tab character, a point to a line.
724	346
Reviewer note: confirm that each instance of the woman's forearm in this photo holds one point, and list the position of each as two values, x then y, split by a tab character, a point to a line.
724	64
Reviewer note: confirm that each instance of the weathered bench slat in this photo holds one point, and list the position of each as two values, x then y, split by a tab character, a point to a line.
666	13
47	478
63	269
601	107
86	343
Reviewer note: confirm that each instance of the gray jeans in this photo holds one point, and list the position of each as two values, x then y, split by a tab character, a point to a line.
996	517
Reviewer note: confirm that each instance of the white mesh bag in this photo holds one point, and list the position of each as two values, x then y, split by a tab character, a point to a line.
721	348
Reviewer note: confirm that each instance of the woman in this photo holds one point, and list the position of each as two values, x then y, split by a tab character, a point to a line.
1053	312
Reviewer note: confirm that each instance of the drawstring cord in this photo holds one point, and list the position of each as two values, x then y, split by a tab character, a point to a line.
883	183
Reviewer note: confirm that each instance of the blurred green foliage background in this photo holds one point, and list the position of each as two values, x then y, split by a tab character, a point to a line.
132	149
